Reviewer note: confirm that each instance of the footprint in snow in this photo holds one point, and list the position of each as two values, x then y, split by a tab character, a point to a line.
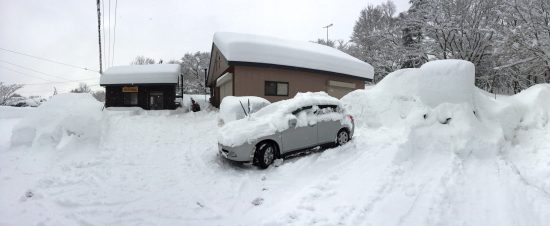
28	194
257	201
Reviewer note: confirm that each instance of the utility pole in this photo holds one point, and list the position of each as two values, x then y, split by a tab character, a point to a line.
99	36
205	83
330	25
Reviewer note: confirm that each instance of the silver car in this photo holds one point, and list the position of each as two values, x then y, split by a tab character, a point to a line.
331	127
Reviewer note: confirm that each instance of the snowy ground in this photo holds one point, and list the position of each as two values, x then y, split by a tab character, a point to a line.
164	170
401	168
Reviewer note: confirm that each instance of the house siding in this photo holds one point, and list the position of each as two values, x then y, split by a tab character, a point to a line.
250	81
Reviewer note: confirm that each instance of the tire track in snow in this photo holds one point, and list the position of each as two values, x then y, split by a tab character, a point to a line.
320	195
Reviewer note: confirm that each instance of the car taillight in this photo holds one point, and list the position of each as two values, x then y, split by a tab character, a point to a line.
350	117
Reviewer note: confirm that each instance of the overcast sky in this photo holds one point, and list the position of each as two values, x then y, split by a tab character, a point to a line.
66	31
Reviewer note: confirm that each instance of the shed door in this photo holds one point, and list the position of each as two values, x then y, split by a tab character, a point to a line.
339	89
225	83
156	100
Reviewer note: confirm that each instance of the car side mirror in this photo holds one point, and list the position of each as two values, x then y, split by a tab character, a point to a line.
292	123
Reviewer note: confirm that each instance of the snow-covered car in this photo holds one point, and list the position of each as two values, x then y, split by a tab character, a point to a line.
233	108
308	120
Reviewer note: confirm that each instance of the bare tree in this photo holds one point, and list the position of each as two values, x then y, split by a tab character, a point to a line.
7	92
139	60
376	39
193	65
324	42
82	88
524	58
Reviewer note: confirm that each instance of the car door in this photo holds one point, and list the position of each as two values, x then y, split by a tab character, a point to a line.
328	123
304	134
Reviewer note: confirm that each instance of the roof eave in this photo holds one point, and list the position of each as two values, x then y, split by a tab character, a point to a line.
256	64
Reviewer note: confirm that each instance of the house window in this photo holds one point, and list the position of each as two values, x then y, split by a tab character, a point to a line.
276	88
130	99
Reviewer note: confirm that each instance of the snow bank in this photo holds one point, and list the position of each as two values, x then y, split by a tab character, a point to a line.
231	108
271	119
534	103
440	100
14	112
65	116
411	91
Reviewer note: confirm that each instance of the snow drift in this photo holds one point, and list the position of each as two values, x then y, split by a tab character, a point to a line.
439	102
64	117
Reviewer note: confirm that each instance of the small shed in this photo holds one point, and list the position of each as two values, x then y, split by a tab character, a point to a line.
151	87
277	69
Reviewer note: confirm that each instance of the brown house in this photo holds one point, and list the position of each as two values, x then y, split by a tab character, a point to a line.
276	69
151	87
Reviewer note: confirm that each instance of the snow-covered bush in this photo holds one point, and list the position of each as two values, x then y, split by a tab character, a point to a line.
231	108
64	116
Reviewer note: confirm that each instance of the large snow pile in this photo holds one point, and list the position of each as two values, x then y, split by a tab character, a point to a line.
444	81
438	104
270	119
407	92
233	108
64	117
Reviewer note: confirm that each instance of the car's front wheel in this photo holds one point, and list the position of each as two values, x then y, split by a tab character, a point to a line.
342	137
265	154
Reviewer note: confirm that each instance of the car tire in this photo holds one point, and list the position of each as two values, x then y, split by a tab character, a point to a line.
342	137
266	153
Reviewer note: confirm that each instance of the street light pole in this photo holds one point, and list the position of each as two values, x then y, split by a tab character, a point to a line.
330	25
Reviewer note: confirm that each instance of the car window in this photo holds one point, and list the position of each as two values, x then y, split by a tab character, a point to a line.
306	116
326	109
297	111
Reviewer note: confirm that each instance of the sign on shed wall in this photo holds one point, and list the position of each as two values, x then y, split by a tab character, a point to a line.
129	89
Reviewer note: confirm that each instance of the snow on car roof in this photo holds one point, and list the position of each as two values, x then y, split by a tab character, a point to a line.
300	100
140	74
263	49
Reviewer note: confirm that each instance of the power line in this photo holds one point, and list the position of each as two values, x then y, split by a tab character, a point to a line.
44	83
50	83
9	69
37	71
30	69
114	35
48	60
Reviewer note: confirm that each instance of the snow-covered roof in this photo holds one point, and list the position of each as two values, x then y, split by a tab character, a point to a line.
141	74
269	50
